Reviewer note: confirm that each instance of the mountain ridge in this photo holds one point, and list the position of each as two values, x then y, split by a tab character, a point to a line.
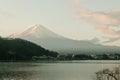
52	41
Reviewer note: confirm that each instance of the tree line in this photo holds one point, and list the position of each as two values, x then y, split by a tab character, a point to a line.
83	56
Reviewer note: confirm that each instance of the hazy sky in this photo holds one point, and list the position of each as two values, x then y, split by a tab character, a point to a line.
76	19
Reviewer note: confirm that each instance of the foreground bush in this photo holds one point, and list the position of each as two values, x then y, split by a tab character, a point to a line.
109	74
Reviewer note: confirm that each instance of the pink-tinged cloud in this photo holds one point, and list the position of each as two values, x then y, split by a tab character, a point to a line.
101	20
107	30
106	22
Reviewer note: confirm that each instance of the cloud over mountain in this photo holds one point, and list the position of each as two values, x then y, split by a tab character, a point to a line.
106	22
101	20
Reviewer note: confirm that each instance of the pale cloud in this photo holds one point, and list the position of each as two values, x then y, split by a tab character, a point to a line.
102	21
109	19
112	40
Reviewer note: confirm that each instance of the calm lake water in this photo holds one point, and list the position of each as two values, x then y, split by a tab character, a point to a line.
62	70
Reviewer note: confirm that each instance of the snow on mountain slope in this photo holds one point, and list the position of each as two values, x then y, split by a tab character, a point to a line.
37	31
52	41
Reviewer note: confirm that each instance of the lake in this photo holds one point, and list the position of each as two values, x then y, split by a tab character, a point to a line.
59	70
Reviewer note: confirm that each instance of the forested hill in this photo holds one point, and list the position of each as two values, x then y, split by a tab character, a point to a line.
18	49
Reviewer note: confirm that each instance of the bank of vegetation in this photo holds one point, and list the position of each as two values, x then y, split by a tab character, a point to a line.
18	49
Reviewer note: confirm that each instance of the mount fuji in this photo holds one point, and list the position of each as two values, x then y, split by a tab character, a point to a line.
42	36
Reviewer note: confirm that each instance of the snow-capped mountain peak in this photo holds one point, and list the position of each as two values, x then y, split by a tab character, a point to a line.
37	31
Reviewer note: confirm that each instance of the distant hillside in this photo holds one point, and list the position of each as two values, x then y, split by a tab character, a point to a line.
18	49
